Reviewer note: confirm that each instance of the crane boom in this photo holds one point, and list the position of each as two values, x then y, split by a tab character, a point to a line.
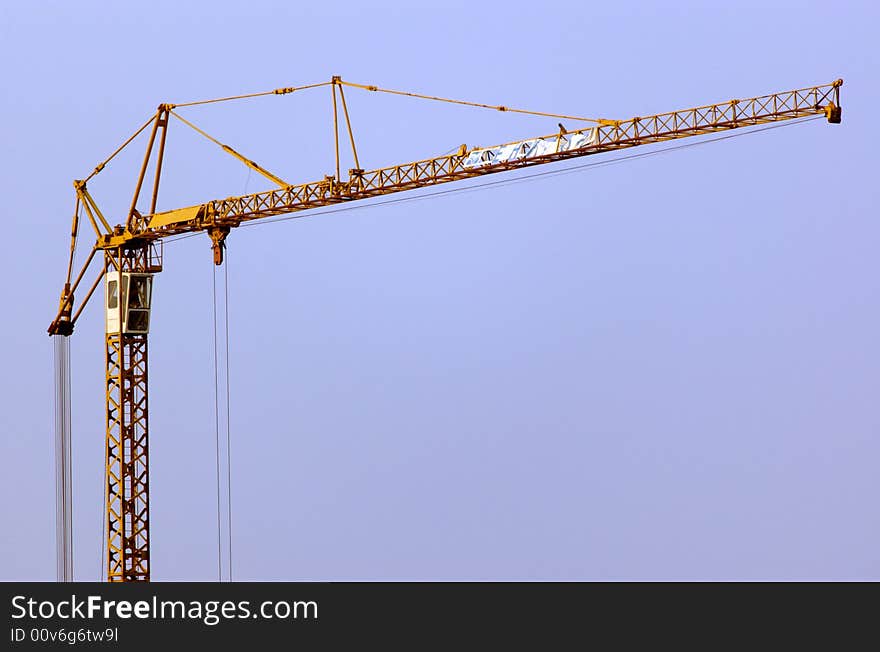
217	217
132	253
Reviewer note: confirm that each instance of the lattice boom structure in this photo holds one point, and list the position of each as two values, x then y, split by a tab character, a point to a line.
618	135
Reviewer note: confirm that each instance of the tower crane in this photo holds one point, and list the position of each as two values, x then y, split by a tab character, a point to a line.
129	253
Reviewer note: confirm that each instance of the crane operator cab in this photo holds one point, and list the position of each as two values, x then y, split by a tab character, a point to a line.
128	302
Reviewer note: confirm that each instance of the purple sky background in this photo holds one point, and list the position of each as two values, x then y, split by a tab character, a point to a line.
663	369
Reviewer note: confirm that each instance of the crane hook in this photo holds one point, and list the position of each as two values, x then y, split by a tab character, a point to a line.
218	242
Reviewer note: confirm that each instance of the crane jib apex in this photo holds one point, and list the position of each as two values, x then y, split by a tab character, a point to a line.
132	252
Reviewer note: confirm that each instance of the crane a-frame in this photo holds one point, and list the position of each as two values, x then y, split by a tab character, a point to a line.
132	251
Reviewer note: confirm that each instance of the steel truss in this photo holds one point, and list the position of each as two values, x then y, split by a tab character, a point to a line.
127	441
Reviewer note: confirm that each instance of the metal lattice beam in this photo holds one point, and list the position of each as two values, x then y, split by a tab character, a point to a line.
135	248
127	444
609	136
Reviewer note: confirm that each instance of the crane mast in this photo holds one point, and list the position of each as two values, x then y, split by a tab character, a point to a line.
127	428
132	252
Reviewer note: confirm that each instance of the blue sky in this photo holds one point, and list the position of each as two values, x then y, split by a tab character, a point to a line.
663	369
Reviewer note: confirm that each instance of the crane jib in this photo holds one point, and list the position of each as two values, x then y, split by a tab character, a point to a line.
611	135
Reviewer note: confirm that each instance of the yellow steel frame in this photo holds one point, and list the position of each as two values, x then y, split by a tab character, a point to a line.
127	450
611	135
132	247
127	459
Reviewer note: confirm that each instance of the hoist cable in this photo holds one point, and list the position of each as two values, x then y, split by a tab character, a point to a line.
218	347
101	573
217	427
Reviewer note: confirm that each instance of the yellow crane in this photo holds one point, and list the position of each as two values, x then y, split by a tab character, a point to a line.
132	251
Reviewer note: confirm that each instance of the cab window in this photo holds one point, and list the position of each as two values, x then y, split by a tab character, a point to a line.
113	295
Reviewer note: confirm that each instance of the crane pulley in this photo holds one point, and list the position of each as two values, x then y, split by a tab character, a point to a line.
132	250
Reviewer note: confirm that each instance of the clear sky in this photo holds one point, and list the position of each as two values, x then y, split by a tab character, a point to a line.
663	369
